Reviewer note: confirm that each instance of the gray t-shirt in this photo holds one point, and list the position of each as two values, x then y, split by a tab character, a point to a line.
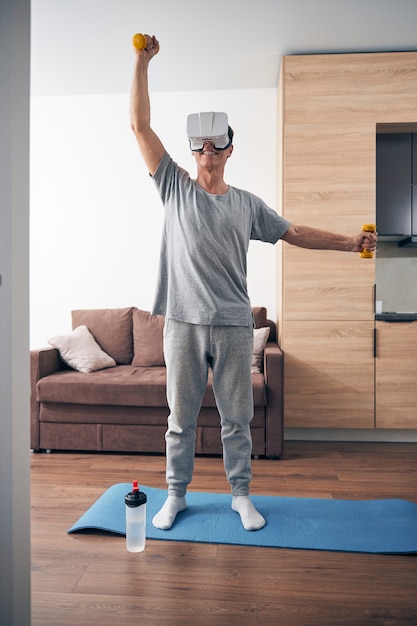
202	271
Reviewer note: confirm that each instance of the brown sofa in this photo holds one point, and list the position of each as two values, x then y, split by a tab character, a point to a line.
123	408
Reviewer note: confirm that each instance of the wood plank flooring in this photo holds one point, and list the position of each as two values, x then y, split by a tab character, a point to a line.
92	580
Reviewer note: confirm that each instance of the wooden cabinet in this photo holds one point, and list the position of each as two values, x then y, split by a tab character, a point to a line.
328	110
396	375
329	374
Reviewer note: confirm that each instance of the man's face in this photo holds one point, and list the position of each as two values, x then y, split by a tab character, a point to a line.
210	157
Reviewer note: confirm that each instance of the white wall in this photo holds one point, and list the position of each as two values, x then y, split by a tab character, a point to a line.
96	218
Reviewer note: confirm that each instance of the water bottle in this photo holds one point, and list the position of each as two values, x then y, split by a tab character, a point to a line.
135	502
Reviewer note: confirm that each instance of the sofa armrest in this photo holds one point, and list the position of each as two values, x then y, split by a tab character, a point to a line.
274	372
43	362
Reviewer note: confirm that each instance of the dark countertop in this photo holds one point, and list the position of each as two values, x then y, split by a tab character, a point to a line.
396	317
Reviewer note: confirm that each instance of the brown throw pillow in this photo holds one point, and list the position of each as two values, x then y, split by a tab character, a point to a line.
147	339
112	329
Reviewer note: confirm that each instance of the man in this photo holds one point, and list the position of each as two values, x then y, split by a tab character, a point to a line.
202	293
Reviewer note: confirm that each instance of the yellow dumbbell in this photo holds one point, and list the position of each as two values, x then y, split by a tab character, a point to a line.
368	228
140	42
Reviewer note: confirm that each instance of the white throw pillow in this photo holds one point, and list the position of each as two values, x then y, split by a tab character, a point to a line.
81	351
260	338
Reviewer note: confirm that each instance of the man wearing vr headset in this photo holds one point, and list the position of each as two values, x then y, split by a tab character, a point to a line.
202	292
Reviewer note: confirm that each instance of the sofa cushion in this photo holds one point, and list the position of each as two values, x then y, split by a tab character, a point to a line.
127	386
260	338
80	351
259	316
147	339
123	385
111	328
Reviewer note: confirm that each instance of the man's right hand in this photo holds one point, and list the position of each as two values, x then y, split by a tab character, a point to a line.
152	47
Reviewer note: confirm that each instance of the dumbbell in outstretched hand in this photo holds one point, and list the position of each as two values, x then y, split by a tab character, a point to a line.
368	228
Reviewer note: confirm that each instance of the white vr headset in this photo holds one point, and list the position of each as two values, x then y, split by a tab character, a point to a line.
208	126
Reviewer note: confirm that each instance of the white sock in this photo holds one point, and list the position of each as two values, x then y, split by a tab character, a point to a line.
251	519
166	516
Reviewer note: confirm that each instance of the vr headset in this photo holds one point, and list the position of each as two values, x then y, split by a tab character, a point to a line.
208	126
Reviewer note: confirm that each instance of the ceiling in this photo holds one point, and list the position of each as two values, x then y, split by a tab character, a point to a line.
84	46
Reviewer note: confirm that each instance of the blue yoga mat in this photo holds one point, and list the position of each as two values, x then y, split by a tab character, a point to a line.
374	526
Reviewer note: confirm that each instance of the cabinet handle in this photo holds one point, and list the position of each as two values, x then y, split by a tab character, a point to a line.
374	343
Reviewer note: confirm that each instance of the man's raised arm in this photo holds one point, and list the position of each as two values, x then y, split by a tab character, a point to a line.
149	143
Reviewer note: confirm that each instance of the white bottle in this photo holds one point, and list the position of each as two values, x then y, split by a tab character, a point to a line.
135	519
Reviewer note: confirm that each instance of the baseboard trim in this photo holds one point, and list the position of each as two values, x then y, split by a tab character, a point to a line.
350	434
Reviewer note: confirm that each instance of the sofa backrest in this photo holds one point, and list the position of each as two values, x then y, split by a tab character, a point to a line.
129	335
261	321
111	328
132	336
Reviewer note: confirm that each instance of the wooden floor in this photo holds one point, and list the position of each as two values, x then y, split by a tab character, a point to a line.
92	580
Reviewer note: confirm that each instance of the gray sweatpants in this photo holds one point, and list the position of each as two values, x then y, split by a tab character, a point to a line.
190	349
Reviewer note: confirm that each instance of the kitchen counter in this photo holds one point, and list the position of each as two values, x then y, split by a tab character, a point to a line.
396	317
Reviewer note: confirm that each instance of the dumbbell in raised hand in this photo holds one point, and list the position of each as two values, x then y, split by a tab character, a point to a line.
140	42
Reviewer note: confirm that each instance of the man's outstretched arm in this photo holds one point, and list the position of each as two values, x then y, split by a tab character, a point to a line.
313	238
